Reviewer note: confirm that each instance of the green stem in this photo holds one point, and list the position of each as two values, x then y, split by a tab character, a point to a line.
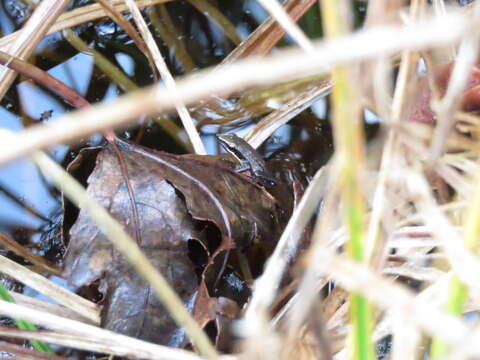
25	325
349	143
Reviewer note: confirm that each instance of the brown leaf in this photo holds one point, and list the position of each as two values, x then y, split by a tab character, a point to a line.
171	192
240	208
130	306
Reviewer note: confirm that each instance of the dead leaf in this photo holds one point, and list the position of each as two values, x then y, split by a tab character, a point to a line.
221	311
166	227
420	109
172	193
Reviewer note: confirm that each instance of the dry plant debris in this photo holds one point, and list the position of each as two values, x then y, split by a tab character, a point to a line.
270	272
174	196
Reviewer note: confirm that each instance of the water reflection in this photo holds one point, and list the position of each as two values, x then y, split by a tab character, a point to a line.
21	182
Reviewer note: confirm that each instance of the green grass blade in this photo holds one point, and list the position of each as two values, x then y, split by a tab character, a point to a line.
25	325
349	143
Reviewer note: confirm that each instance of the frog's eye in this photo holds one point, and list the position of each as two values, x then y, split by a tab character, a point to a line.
272	183
268	182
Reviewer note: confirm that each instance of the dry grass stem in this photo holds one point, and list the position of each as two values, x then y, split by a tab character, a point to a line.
390	296
418	131
286	310
76	17
280	15
414	192
373	239
269	124
31	33
38	260
406	341
448	105
54	309
323	237
94	338
455	179
128	248
461	260
44	286
116	16
168	79
266	285
453	206
291	64
124	83
268	33
414	272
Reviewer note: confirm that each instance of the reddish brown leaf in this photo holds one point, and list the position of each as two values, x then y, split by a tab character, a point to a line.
222	311
421	110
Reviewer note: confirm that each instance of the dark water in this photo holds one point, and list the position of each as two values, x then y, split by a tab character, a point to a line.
28	202
31	209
